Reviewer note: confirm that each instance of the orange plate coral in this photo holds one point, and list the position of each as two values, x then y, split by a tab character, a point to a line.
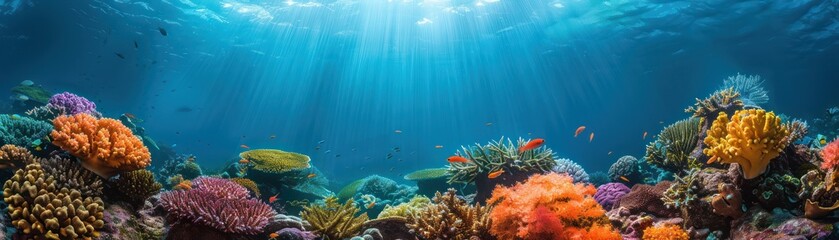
105	146
548	206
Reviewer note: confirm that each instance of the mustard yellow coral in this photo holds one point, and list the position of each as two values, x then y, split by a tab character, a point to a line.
247	183
665	232
750	138
406	209
275	161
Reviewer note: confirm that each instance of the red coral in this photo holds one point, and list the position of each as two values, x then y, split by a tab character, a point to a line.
830	155
548	206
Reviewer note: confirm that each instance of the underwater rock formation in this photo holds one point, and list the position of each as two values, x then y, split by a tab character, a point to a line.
542	208
564	165
333	220
450	217
123	223
609	194
647	198
104	146
22	131
673	146
750	138
778	224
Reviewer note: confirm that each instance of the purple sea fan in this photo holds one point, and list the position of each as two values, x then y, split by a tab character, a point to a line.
203	207
72	104
222	188
609	194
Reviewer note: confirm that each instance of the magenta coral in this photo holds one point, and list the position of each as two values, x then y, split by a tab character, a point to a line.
217	204
609	194
830	155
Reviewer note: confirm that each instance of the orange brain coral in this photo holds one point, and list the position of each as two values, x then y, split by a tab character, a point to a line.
666	232
105	146
830	155
547	207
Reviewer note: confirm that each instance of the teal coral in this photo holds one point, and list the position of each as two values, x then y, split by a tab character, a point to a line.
672	149
22	131
497	155
188	169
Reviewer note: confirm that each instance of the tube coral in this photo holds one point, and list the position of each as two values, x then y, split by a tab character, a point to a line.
830	155
104	146
751	138
548	206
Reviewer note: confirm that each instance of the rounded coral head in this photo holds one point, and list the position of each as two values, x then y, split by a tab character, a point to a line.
105	146
609	194
830	155
72	103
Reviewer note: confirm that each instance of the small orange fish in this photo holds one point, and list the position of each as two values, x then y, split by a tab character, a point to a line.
713	159
244	161
438	146
244	146
624	178
371	205
495	174
591	137
184	185
397	131
645	136
311	175
273	199
579	130
129	115
454	159
533	144
273	235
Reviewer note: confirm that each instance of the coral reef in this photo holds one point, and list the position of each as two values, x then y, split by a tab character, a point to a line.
71	104
827	124
647	198
830	156
333	220
751	88
219	204
275	161
39	210
564	165
751	138
369	234
609	194
294	234
416	204
188	169
728	202
548	206
13	157
69	174
104	146
673	146
599	178
123	223
22	131
450	217
430	181
628	168
665	232
136	185
778	190
248	184
778	224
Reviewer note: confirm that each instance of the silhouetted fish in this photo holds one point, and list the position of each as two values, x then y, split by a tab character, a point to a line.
136	45
162	31
119	55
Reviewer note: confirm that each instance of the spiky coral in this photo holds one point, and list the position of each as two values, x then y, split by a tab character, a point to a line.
13	157
249	184
450	217
137	185
105	146
830	155
21	131
333	220
39	209
726	100
682	191
499	155
750	86
71	104
750	138
548	206
406	209
665	232
69	174
275	161
671	150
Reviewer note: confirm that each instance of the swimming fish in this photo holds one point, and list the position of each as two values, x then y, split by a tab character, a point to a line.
624	178
174	145
129	115
38	148
272	137
645	136
458	159
371	205
244	146
579	130
397	131
328	151
27	83
532	144
273	235
311	175
119	55
610	153
495	174
162	31
15	117
438	146
273	199
823	141
591	137
488	124
244	161
321	142
136	45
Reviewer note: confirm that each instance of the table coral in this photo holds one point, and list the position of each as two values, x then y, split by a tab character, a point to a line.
104	146
275	161
665	232
750	138
40	210
22	131
548	206
450	217
333	220
430	181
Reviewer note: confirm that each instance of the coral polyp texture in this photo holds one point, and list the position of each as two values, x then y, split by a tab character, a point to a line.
497	155
750	138
22	131
564	165
104	146
406	209
137	185
672	148
248	184
40	210
830	155
219	204
71	104
275	161
69	174
665	232
548	206
608	194
449	217
13	157
334	220
626	168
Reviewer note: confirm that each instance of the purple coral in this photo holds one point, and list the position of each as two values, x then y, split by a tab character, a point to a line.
609	194
213	202
72	104
295	234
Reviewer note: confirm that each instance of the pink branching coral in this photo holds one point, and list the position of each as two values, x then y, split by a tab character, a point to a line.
830	155
220	204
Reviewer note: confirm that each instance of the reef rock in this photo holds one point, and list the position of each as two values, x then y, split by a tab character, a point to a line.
778	224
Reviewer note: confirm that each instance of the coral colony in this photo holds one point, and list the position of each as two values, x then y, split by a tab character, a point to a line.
729	170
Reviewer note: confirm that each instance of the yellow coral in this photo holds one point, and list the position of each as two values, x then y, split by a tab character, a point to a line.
665	232
750	138
275	161
406	209
247	183
333	220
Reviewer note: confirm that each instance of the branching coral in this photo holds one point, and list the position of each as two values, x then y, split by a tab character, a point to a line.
275	161
682	191
220	204
13	157
69	174
750	86
21	131
249	184
104	146
498	155
548	206
830	156
332	220
751	138
406	209
726	100
72	104
665	232
450	217
137	185
672	149
40	210
564	165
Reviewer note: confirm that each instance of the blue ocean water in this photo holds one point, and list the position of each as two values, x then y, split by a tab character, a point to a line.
352	74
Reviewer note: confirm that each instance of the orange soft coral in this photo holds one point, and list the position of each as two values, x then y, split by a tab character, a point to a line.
548	207
830	155
105	146
665	232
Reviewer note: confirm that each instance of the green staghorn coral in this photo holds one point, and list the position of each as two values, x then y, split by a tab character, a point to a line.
332	220
498	155
672	149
